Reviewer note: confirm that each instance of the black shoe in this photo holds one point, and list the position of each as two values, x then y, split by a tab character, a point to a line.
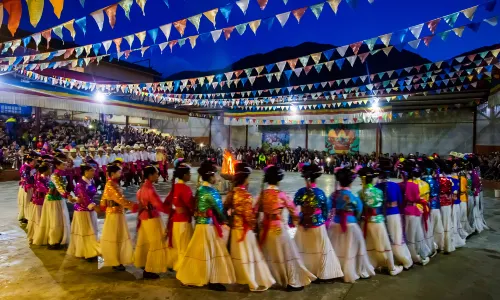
216	287
120	268
24	221
91	259
171	270
290	288
149	275
319	281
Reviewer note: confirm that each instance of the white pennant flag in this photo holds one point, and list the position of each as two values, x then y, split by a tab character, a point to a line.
106	45
283	18
342	50
243	5
166	30
216	35
99	18
417	30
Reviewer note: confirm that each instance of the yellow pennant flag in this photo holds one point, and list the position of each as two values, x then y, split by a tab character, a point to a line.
35	9
142	4
211	15
70	26
58	7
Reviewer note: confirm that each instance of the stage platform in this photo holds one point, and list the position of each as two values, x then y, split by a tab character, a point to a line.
37	273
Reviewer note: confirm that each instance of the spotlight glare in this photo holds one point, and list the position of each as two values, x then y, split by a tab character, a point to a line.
293	108
100	96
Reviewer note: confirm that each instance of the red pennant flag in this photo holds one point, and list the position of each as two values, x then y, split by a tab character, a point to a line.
111	13
15	9
307	69
292	63
180	26
310	121
68	52
298	13
427	40
355	47
433	25
238	73
262	4
227	31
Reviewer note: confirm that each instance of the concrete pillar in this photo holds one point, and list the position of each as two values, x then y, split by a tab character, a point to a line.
378	141
38	117
246	136
127	124
307	136
474	127
210	133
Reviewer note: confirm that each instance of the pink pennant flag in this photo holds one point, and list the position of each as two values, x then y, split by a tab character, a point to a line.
262	4
427	40
180	26
47	34
363	56
227	31
298	13
355	47
117	42
433	25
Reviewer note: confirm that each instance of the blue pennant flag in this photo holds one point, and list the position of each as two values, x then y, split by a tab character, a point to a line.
316	85
176	85
205	36
82	23
153	34
269	22
244	80
474	26
219	77
226	11
490	5
288	74
166	3
302	121
399	71
328	54
340	62
269	67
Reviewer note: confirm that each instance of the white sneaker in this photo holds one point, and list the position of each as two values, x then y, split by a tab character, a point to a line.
425	261
364	275
396	270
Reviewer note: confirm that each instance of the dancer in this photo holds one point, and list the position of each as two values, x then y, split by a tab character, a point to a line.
345	234
179	205
377	239
83	242
279	249
161	158
476	207
311	238
27	172
435	224
445	201
116	245
151	248
40	189
393	200
248	260
54	228
458	232
414	223
462	209
207	261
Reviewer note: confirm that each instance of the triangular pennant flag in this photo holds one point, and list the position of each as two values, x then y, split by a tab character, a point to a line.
355	47
98	16
470	12
58	7
166	30
47	34
141	36
241	28
153	34
15	9
70	27
226	11
254	25
130	39
444	34
142	4
386	39
493	21
106	45
117	42
352	3
216	34
414	44
180	26
371	42
459	30
125	5
340	62
227	31
317	9
363	56
283	18
195	20
58	31
334	4
352	59
111	13
451	19
316	57
243	5
298	13
96	47
210	15
474	26
262	4
427	40
342	50
35	9
416	30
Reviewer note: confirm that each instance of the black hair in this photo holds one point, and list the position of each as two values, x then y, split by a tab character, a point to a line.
241	173
273	175
181	169
84	168
117	162
345	177
112	169
57	162
28	158
368	173
311	172
149	170
43	167
207	170
61	156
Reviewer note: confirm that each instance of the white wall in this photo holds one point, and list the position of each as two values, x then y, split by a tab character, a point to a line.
220	133
194	127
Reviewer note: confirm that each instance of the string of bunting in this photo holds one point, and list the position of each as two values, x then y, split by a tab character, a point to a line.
393	79
180	26
35	11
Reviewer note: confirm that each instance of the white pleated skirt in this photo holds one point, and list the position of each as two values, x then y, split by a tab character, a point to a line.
446	215
351	250
437	225
378	246
284	260
477	213
429	234
151	247
399	247
317	252
416	239
458	232
83	242
23	203
182	232
116	245
249	264
464	220
54	225
207	259
34	221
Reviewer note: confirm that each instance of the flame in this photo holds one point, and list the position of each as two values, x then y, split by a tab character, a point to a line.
228	163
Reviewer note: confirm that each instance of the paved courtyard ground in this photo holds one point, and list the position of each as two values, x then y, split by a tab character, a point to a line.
34	272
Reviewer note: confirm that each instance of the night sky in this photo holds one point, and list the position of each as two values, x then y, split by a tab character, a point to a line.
348	26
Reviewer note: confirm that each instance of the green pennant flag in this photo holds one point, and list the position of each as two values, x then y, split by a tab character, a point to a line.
451	19
317	9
